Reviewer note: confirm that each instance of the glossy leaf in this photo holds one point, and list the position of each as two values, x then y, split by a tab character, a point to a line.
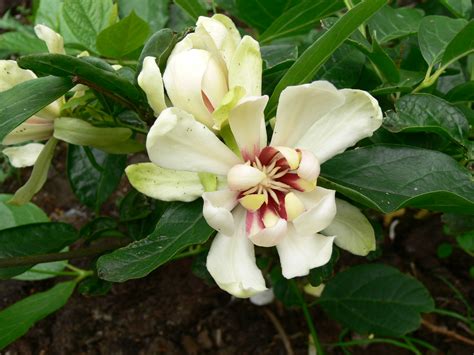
300	18
181	226
94	175
17	319
376	299
261	13
154	12
48	13
193	8
460	8
33	239
304	69
22	43
461	93
23	100
14	216
159	46
277	54
461	45
123	37
389	24
83	20
428	113
434	35
90	71
388	178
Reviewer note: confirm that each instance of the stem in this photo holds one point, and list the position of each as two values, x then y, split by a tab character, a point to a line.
55	273
345	344
412	346
189	253
421	343
74	254
448	313
309	320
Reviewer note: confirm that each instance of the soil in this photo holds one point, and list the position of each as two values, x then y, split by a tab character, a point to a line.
174	312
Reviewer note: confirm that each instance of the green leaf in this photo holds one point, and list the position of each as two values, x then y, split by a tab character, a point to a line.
434	35
43	271
300	18
33	239
14	216
159	45
459	8
181	226
25	99
376	299
456	224
444	250
38	176
154	12
261	13
193	8
461	93
17	319
466	242
460	46
85	19
389	24
428	113
22	43
278	54
93	174
90	71
388	178
48	13
285	290
304	69
123	37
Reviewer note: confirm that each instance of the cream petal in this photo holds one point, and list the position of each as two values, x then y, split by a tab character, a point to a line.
300	107
217	210
33	129
320	205
299	253
54	41
357	118
163	184
232	40
24	155
214	84
309	167
243	176
231	262
245	121
353	231
151	82
183	79
177	141
270	236
11	74
245	68
263	298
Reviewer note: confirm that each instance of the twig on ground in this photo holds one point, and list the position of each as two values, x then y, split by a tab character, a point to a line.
281	331
445	331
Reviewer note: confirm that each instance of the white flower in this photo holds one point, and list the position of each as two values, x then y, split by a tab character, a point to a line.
271	197
207	72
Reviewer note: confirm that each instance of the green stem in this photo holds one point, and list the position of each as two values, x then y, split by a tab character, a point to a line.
309	319
422	343
345	344
55	273
189	253
448	313
412	346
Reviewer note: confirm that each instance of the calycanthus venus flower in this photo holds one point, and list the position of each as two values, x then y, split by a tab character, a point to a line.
263	194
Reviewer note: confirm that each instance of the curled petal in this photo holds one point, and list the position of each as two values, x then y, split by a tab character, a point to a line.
231	262
54	41
151	82
320	206
299	253
163	184
11	74
25	155
245	68
177	141
243	177
309	167
33	129
270	236
217	210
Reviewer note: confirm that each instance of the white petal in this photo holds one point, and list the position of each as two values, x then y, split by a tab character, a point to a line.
299	107
231	262
357	118
353	231
33	129
263	298
245	121
54	41
246	67
214	83
243	176
184	77
177	141
151	82
217	210
164	184
309	167
232	40
320	205
299	254
271	236
11	74
24	155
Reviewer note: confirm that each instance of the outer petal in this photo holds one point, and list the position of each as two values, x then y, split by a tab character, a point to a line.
177	141
270	236
11	74
357	118
186	74
164	184
300	107
151	83
353	231
54	41
35	128
217	210
231	262
320	206
246	67
245	121
299	254
24	155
